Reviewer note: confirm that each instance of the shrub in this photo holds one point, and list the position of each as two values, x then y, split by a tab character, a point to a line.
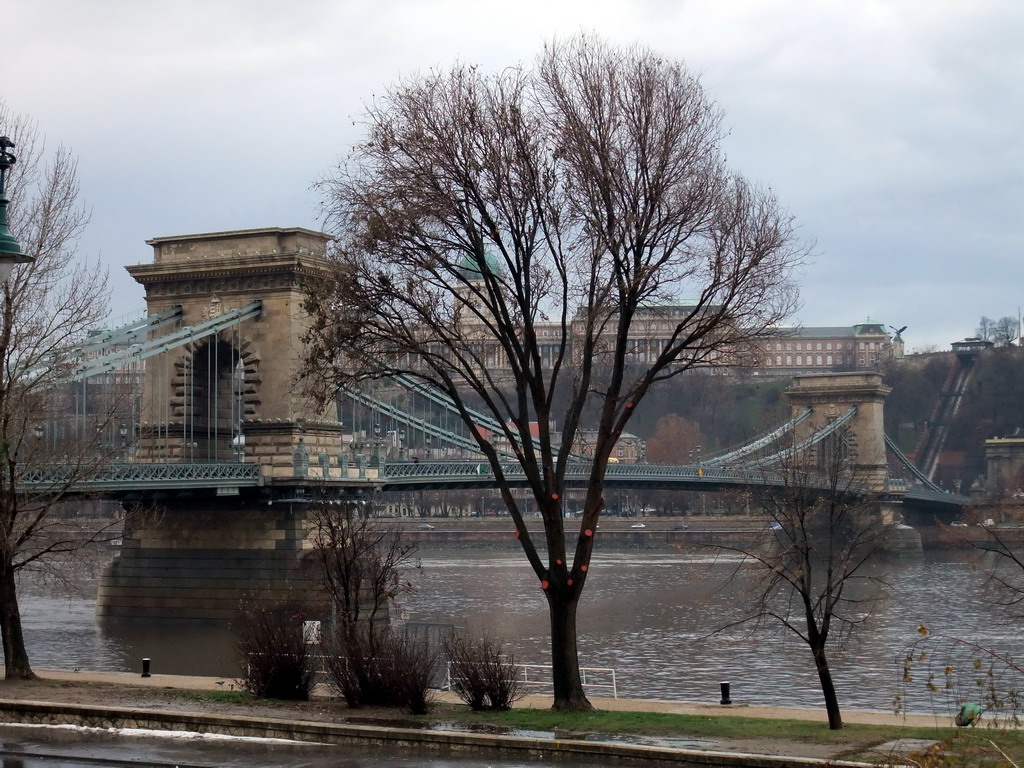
274	656
375	666
482	675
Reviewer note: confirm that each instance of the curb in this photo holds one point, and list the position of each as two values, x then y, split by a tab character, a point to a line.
430	741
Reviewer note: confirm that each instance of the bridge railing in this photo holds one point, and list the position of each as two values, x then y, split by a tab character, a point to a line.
131	476
574	471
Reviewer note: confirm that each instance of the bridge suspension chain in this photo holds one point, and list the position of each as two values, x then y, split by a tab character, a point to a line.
906	462
130	333
167	342
758	444
814	439
397	414
480	419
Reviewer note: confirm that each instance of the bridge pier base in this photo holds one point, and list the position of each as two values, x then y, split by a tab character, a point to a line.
903	540
196	561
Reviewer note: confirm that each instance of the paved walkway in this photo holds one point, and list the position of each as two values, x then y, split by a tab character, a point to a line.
543	702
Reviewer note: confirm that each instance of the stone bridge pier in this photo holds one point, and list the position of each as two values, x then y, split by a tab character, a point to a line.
192	554
234	395
195	560
830	396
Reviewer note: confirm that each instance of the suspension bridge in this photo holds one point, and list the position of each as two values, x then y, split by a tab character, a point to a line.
223	444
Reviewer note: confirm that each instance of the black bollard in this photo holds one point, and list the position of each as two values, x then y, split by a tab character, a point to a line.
725	694
145	668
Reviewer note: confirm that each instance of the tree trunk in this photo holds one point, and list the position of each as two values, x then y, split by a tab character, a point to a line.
828	689
565	663
16	665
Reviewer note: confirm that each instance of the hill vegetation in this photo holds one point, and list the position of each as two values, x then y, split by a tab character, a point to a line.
704	412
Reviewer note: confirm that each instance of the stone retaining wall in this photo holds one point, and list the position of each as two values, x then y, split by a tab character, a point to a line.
439	742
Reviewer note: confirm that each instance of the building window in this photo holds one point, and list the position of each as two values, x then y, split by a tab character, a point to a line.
819	358
789	359
789	347
819	348
829	346
778	359
828	359
799	359
778	346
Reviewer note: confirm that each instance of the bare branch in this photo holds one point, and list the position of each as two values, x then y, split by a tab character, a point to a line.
48	308
823	531
512	238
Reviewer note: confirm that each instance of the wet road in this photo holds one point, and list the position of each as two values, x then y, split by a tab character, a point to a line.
52	747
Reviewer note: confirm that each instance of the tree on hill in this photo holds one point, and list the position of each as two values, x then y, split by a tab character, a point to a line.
1001	332
47	309
674	441
1005	331
582	196
730	410
986	328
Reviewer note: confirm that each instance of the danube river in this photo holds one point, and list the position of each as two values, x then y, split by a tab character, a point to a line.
650	617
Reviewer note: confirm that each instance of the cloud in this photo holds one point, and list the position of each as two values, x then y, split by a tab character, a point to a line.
890	129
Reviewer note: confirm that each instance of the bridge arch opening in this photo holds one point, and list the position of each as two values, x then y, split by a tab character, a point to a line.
213	397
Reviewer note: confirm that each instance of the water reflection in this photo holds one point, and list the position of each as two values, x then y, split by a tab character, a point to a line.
646	615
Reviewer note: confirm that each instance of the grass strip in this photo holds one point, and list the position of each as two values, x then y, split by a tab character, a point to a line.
659	724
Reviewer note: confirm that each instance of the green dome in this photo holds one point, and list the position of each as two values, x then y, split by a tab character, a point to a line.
869	326
469	266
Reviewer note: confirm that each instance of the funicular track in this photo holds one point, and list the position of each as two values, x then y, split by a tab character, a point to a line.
932	442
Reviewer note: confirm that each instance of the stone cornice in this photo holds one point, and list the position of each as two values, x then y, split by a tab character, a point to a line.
285	265
232	234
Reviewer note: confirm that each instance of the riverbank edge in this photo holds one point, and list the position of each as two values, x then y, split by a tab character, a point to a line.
20	712
151	714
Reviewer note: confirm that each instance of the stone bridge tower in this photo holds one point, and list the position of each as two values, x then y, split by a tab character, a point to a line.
221	396
831	395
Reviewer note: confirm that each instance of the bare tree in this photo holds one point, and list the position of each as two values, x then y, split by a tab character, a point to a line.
824	529
521	241
986	328
48	308
1005	331
361	562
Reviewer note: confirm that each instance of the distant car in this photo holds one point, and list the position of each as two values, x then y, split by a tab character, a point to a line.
638	525
425	527
680	527
958	524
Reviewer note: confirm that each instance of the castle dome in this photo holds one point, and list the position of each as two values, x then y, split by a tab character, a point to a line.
470	267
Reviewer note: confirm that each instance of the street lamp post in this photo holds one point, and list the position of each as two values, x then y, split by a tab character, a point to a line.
377	444
10	251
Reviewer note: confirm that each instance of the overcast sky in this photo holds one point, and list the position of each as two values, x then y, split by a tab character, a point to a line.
892	130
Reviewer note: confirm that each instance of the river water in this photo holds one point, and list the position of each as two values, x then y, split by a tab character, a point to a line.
648	616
